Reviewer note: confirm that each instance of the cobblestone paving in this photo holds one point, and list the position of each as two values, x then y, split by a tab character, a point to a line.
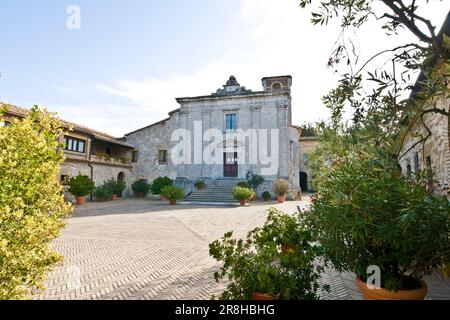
143	249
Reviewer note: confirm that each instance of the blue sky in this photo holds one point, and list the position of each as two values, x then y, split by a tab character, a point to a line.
129	61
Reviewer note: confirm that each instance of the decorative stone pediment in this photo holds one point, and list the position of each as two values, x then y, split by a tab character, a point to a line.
232	86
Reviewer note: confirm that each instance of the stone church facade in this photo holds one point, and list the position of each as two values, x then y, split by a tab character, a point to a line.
223	136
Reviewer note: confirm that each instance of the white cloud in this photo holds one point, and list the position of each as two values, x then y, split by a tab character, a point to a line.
272	38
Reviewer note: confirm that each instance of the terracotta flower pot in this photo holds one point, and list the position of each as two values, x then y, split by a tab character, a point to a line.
263	296
173	202
81	200
281	199
383	294
200	188
140	194
243	202
114	197
286	248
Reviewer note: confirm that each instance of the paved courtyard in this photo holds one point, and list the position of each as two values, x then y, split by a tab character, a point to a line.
143	249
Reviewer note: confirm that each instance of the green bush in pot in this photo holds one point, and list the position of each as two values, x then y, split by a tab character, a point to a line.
255	264
140	187
367	213
159	183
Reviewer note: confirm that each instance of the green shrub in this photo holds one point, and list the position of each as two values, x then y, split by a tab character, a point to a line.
160	183
200	184
281	187
32	207
117	187
254	180
255	264
140	186
103	192
80	186
172	193
240	193
266	195
368	213
243	184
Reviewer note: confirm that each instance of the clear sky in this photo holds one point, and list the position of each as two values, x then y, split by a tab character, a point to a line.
131	58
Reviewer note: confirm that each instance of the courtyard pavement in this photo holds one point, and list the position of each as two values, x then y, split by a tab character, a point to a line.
145	249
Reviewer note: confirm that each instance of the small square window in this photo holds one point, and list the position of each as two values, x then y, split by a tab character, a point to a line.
134	156
162	156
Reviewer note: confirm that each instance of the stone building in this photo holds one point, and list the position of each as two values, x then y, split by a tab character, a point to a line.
222	136
307	145
89	152
432	154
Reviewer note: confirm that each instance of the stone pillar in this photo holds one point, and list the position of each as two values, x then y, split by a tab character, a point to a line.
256	125
283	171
206	120
182	171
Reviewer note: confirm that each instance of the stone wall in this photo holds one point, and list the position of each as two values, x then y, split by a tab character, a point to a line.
100	174
148	142
436	148
307	145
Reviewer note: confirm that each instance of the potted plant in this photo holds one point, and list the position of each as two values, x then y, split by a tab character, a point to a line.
80	186
117	187
254	181
281	187
140	188
367	213
172	193
243	194
200	185
266	195
243	184
103	192
160	183
257	270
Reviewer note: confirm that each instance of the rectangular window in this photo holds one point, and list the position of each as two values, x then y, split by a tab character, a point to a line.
134	156
75	145
416	162
231	121
162	156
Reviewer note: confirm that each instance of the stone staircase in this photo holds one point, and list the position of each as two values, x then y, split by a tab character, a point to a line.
215	191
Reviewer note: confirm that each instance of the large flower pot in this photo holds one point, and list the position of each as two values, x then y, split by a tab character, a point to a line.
383	294
288	248
114	197
173	202
200	188
140	194
263	296
81	200
281	199
243	202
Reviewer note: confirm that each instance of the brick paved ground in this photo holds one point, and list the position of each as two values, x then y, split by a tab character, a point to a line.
142	249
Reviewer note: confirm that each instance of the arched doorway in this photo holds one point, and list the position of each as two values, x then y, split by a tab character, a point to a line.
304	181
121	178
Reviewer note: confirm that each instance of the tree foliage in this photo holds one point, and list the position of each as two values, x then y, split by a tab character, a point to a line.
377	90
32	207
